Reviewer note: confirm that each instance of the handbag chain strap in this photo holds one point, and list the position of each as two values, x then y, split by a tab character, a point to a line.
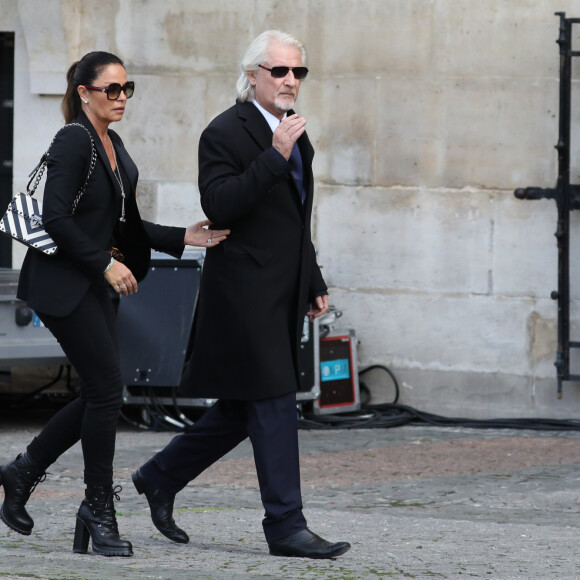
37	173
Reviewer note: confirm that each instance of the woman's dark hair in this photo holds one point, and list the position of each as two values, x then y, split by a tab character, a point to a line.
84	72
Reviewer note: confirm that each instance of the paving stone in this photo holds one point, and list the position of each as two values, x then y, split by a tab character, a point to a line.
415	502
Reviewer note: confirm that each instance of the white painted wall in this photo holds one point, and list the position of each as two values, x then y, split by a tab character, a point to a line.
425	115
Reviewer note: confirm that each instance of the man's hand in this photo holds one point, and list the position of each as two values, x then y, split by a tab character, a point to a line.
287	133
319	307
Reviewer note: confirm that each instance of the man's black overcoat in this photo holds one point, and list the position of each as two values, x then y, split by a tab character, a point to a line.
257	284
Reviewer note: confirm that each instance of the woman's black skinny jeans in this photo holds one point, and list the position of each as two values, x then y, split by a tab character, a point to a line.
88	337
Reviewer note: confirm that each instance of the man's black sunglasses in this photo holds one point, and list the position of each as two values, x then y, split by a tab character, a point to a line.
113	91
279	72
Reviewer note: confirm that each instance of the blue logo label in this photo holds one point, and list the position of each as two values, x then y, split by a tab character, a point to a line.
333	370
36	322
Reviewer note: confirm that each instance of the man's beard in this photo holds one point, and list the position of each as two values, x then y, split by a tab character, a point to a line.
284	105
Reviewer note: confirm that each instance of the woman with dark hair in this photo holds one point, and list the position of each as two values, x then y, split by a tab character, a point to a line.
103	247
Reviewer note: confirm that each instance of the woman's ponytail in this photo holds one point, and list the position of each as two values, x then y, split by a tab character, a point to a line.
71	102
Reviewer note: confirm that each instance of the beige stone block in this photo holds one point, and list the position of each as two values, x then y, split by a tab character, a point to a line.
501	134
574	256
525	252
404	239
487	395
162	125
343	140
547	403
170	203
491	39
365	38
574	122
147	199
542	339
525	255
10	11
92	26
178	204
491	133
292	17
33	133
43	29
183	35
220	94
461	333
476	395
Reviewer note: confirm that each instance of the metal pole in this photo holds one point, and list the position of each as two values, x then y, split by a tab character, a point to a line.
563	203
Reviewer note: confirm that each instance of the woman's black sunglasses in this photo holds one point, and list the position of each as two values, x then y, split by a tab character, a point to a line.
113	91
279	72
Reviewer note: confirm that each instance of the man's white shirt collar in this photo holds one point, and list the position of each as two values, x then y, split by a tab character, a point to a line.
272	121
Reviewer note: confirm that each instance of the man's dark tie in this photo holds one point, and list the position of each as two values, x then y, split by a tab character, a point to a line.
297	171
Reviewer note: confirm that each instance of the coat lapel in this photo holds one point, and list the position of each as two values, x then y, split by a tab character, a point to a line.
126	162
102	154
255	124
260	131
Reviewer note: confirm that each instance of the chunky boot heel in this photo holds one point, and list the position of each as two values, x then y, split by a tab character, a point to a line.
19	480
96	518
82	535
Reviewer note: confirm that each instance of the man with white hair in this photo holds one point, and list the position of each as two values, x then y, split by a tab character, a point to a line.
255	178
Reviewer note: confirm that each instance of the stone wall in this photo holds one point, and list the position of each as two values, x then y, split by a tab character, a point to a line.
425	115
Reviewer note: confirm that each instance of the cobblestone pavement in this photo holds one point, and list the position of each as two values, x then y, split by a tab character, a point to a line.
415	502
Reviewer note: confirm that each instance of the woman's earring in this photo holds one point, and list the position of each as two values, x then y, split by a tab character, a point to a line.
85	101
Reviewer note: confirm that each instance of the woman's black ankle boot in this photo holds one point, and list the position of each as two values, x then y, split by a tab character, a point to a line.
19	478
96	520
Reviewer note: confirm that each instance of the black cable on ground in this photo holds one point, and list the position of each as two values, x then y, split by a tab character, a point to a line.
158	416
133	423
166	421
543	424
383	368
180	414
394	415
381	416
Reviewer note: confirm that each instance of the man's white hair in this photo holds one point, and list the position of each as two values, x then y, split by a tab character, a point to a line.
258	53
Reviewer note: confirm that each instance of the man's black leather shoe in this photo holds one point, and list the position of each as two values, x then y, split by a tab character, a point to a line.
306	544
161	505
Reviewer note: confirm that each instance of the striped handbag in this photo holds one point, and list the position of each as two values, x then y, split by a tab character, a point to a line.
23	218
